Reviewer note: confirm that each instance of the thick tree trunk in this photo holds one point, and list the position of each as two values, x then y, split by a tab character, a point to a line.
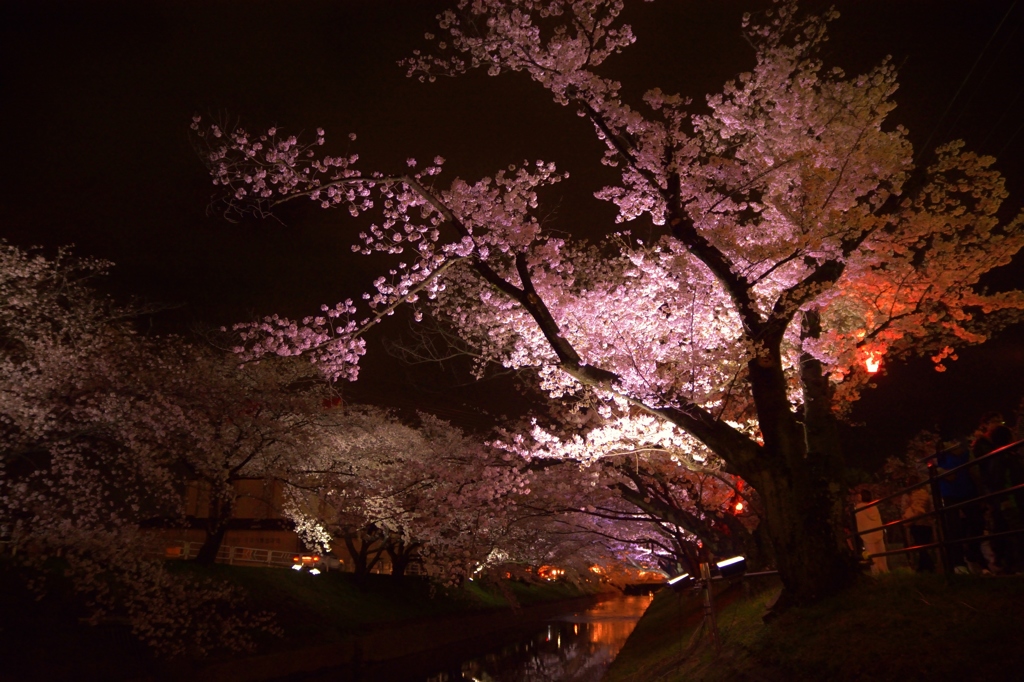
399	563
401	556
803	494
803	515
359	557
365	552
216	529
800	480
215	532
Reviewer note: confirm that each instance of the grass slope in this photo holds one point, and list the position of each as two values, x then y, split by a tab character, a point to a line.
314	609
900	627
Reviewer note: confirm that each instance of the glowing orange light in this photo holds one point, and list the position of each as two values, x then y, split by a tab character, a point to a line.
872	362
550	572
739	506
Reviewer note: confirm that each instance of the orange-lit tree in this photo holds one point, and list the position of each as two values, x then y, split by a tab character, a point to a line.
799	240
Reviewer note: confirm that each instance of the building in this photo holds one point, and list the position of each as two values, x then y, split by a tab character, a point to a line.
257	534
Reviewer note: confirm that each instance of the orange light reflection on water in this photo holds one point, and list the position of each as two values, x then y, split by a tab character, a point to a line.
612	622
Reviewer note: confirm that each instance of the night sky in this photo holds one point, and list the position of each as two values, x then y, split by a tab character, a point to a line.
98	97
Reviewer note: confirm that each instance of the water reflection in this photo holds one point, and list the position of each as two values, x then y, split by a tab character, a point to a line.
578	647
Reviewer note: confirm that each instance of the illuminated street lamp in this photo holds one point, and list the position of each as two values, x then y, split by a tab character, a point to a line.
733	566
872	362
681	582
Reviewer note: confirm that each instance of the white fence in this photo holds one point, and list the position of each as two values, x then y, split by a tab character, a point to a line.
228	554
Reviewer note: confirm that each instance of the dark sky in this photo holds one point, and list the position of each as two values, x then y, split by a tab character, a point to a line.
98	96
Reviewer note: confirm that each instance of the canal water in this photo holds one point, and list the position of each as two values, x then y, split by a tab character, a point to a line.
574	646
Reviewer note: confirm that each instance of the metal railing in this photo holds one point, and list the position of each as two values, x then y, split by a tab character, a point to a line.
228	554
940	510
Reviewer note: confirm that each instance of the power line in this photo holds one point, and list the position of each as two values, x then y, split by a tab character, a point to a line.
995	126
988	72
974	66
1006	145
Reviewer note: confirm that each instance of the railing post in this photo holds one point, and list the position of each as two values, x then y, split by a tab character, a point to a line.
940	517
854	537
709	604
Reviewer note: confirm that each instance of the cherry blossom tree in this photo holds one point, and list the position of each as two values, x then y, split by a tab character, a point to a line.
72	413
801	246
88	443
640	480
427	493
583	519
264	420
348	487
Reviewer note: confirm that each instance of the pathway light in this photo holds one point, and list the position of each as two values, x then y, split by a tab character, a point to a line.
733	566
681	581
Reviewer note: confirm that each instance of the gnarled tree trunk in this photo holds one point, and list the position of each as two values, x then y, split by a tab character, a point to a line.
801	488
216	529
365	550
402	555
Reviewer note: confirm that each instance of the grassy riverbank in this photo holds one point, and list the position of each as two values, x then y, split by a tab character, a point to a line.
900	627
45	640
313	609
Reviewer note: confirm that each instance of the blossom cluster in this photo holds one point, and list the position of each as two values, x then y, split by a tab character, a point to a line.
93	432
799	241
